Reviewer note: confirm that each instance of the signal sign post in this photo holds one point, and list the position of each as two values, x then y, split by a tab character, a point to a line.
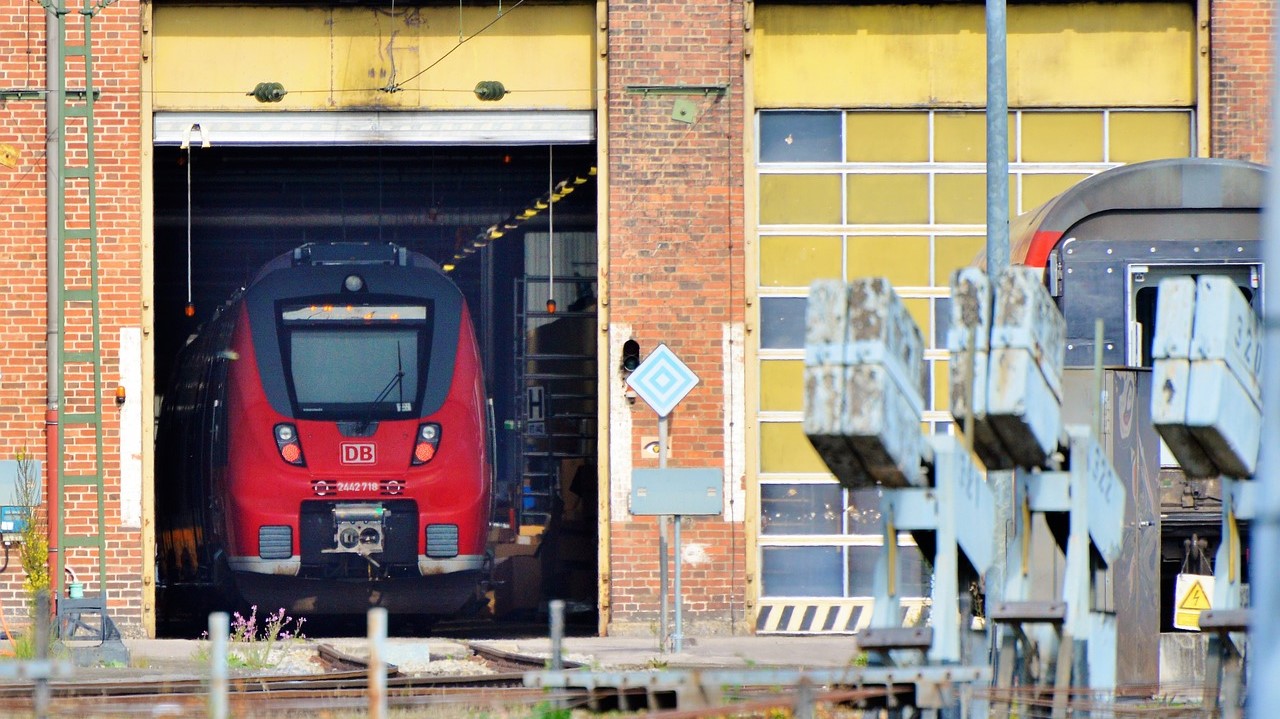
662	380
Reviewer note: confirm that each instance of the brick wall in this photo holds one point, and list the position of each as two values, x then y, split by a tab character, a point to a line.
1241	68
675	271
22	267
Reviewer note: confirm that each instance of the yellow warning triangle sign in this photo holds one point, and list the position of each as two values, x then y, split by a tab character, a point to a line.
1195	598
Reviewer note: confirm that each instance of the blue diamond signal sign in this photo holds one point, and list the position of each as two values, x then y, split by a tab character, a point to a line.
662	380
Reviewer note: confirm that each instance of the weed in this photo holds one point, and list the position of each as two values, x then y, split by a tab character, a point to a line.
35	536
547	710
656	663
251	647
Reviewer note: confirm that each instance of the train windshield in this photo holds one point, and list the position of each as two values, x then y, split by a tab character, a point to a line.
355	361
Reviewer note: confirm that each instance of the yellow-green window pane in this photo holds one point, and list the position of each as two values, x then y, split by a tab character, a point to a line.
962	136
918	308
1061	137
902	259
1039	189
782	386
792	261
784	448
889	199
887	137
799	199
952	253
941	385
1138	136
960	199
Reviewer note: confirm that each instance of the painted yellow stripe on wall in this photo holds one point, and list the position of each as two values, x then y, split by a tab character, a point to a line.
1069	55
208	58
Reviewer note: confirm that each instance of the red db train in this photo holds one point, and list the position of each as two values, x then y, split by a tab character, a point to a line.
325	446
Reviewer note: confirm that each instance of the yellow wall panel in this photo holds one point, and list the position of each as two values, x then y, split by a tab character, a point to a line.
887	137
904	260
799	199
784	448
782	386
1138	136
888	199
952	253
941	385
1060	55
787	261
208	57
1039	189
960	199
1062	137
918	307
961	136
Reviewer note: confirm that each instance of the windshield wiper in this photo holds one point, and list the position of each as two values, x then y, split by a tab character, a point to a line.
397	380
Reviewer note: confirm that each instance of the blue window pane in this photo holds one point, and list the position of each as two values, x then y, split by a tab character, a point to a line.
782	322
914	578
862	571
864	511
941	321
800	508
913	573
801	572
800	136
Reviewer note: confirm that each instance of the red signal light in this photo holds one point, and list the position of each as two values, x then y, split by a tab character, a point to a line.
287	444
426	443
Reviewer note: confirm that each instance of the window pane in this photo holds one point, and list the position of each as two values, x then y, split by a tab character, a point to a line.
889	199
888	137
942	321
904	260
790	261
782	322
800	508
801	572
951	253
1136	136
914	575
862	571
799	137
1039	189
960	199
864	511
800	199
785	449
782	385
1061	137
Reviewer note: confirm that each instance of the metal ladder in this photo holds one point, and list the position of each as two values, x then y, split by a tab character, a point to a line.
559	398
77	470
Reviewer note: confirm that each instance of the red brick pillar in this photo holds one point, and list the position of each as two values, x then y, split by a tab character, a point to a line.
1242	74
675	273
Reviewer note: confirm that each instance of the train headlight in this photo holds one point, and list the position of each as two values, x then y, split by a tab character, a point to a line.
288	445
353	283
426	443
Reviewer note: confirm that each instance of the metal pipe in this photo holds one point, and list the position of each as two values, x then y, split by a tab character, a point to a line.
678	637
1264	629
42	693
997	141
556	609
53	283
377	663
663	635
219	629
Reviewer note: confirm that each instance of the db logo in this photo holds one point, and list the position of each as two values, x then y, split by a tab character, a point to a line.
358	453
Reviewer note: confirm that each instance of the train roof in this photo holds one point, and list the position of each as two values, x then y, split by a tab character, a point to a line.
1175	185
347	254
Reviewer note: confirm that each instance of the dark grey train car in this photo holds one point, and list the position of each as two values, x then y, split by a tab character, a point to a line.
1104	245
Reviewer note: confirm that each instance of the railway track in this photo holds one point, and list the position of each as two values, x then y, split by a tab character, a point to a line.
343	684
